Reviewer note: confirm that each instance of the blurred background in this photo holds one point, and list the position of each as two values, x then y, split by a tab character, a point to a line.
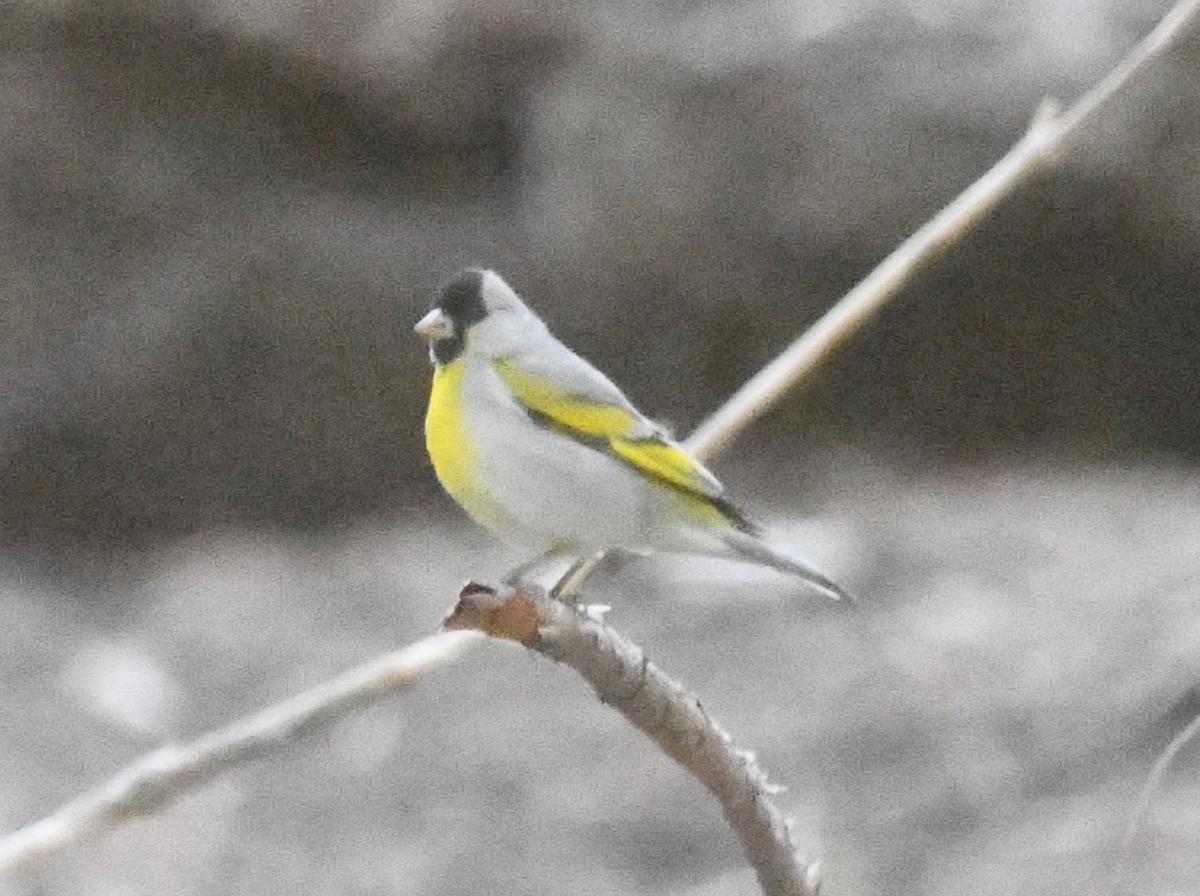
218	223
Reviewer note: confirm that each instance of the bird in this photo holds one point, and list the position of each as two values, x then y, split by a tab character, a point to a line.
544	450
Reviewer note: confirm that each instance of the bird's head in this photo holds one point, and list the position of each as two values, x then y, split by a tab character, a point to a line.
475	310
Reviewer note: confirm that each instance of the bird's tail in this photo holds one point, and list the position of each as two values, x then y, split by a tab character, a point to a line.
750	546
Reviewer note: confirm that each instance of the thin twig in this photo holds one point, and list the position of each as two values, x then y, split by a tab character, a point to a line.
1048	136
1153	781
1046	140
660	707
164	775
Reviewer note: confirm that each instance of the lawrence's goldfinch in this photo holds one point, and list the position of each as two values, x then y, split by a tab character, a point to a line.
540	447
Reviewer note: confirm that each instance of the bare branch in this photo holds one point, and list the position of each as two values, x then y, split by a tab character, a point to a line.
662	708
157	778
1045	141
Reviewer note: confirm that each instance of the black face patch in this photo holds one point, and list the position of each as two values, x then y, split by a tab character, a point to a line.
461	300
447	348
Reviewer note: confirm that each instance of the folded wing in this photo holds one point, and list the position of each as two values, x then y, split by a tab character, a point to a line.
605	420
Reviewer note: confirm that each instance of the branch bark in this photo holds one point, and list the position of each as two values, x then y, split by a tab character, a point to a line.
659	706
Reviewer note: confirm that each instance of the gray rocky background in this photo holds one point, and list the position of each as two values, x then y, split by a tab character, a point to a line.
218	222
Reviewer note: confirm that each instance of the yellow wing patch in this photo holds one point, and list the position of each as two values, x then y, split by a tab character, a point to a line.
569	411
591	421
662	460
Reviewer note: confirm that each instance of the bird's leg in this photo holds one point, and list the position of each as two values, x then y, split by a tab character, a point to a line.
566	587
569	583
517	574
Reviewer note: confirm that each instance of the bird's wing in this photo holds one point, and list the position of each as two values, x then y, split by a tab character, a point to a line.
594	411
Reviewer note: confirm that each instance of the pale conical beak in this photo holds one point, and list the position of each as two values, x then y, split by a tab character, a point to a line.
434	325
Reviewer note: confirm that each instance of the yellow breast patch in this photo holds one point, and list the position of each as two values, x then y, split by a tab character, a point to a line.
453	449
